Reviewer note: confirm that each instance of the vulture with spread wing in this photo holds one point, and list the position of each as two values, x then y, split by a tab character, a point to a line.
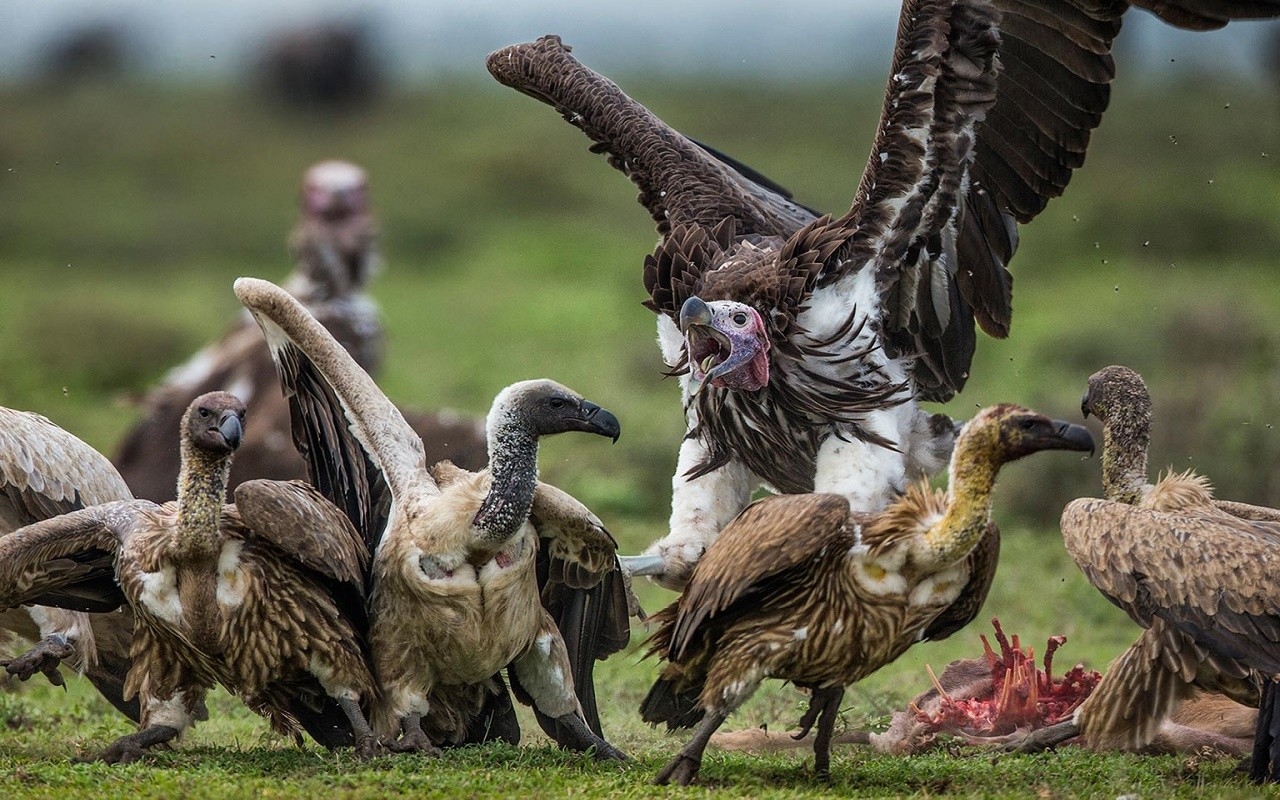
457	554
806	342
334	246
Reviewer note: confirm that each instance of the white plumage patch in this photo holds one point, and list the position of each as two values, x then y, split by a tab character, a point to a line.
941	589
171	713
160	595
670	340
866	474
233	584
700	508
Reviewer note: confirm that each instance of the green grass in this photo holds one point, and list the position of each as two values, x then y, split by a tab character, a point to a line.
514	253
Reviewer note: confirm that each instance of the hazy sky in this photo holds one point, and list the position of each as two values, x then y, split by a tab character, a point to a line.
216	38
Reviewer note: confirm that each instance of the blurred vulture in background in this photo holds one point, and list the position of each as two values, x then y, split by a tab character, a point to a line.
46	472
334	246
805	342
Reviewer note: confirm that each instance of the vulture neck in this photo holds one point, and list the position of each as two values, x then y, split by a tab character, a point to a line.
1125	440
973	477
202	485
513	468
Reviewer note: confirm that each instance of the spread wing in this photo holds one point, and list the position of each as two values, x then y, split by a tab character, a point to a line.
1249	512
982	573
45	471
770	539
302	523
360	452
1210	577
69	561
681	182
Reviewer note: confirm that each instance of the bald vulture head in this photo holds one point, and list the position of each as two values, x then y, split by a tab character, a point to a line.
544	407
334	190
214	423
1117	394
1007	432
727	344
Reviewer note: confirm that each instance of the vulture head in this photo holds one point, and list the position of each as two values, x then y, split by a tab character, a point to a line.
1117	392
726	343
334	190
1008	432
214	423
544	407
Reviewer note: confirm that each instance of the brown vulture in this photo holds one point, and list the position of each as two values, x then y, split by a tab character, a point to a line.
802	588
456	577
265	595
805	342
334	250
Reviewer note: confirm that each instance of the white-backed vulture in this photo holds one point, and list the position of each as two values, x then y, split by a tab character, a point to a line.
334	247
1198	574
265	596
455	595
805	342
802	588
45	471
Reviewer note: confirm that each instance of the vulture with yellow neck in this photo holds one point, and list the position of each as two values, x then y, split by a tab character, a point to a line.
806	342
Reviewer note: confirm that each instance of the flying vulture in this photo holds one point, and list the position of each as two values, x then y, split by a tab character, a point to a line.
456	594
806	342
265	596
803	588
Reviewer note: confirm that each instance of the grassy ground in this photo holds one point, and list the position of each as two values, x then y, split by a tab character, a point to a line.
513	253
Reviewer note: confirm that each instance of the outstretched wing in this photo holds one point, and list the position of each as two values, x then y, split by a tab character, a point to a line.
768	539
360	452
69	561
1210	577
681	182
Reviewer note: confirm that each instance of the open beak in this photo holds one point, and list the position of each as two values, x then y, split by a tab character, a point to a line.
231	429
1073	437
711	353
600	421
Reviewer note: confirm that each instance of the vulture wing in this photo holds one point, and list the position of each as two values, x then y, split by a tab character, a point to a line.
1249	512
681	182
1211	578
360	452
69	561
769	538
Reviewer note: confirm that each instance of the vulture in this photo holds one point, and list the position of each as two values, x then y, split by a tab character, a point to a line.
334	249
455	592
45	471
265	596
1197	573
806	589
806	342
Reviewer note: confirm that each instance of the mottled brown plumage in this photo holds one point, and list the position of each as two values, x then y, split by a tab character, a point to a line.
1199	579
989	108
800	588
455	581
264	596
334	247
45	471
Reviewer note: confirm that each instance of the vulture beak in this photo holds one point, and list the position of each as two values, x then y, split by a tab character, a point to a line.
695	311
600	421
1084	405
1073	437
230	427
717	350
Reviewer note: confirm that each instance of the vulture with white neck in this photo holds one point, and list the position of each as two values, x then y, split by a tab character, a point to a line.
265	595
334	248
455	575
806	342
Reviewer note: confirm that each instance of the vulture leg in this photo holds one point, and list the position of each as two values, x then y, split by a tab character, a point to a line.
684	767
412	738
1045	738
1265	766
45	657
367	745
573	733
128	749
824	705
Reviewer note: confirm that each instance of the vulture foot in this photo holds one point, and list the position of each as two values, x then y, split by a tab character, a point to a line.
368	747
1042	739
681	771
45	657
413	739
575	735
128	749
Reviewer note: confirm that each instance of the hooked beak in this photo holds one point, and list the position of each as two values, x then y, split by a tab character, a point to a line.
1084	405
1073	437
231	429
600	421
695	311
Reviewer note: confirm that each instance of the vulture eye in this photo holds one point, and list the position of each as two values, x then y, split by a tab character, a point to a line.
1027	424
557	402
739	319
204	413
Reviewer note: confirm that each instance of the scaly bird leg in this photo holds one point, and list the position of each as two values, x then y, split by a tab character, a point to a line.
367	745
45	657
575	735
829	700
128	749
684	767
412	738
1044	738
